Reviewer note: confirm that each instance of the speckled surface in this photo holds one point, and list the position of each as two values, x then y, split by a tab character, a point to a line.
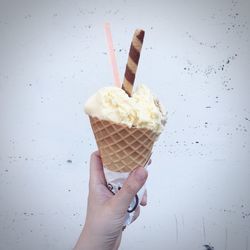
195	57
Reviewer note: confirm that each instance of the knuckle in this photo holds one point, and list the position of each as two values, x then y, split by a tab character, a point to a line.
93	155
130	189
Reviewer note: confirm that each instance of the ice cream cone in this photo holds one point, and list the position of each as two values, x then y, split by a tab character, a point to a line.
122	149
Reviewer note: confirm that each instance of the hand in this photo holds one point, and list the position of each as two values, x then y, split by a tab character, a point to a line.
106	212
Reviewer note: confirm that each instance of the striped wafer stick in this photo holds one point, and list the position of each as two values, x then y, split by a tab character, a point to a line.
133	59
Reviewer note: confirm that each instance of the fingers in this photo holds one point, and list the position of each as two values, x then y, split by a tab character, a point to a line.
131	186
144	199
96	170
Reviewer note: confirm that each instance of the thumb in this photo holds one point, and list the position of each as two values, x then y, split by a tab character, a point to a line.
131	186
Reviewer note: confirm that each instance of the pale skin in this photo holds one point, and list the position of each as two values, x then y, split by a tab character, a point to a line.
106	212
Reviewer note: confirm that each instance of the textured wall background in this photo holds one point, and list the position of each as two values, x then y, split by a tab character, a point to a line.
195	58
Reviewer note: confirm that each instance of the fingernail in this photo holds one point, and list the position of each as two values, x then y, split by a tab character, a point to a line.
141	174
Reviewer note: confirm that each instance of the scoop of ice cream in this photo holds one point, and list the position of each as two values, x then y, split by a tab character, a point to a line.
141	110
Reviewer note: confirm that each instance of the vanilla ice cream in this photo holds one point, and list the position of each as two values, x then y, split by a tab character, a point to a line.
141	110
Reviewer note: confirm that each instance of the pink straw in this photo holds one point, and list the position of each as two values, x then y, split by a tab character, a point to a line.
112	55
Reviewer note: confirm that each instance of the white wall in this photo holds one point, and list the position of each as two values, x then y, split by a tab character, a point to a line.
53	56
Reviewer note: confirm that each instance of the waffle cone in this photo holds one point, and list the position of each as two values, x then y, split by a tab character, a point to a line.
122	149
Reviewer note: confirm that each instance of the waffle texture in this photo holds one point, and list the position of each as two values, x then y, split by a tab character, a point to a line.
122	149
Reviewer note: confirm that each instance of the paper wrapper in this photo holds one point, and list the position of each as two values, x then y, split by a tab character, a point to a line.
115	182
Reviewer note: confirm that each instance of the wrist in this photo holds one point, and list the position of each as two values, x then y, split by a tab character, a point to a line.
94	240
89	240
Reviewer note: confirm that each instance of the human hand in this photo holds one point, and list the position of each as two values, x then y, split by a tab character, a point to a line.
106	212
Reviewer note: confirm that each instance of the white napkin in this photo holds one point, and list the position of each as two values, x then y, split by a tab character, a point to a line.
115	182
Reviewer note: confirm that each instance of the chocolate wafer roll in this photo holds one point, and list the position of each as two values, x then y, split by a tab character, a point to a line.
133	59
